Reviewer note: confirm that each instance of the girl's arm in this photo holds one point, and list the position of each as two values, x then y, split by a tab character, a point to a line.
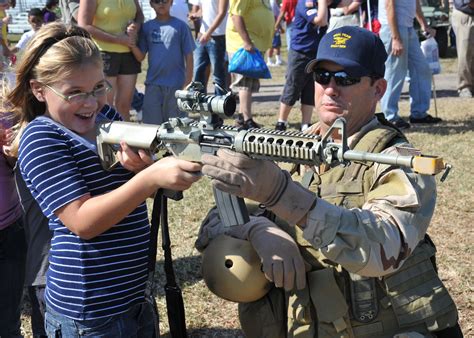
89	216
85	17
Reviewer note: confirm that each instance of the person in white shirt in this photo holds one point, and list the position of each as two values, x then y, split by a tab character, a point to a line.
180	10
35	19
210	42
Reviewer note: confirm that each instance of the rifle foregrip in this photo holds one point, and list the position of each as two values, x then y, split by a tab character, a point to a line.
232	209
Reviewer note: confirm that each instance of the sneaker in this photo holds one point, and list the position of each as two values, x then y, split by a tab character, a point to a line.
270	64
465	93
400	123
280	126
250	124
279	63
427	119
239	120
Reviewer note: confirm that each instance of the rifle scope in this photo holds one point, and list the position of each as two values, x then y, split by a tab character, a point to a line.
197	102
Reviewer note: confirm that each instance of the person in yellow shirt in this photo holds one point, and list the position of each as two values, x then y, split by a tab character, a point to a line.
114	26
250	25
4	18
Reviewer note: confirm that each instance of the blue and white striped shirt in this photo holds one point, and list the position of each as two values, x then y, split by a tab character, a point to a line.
86	279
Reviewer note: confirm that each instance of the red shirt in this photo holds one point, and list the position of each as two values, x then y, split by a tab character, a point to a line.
289	7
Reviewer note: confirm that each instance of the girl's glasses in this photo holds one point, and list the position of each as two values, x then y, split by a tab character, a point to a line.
100	91
341	78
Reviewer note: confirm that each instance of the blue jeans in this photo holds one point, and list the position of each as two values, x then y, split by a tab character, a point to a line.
136	322
12	272
212	53
396	67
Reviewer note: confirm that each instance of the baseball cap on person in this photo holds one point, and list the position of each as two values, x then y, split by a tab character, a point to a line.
358	50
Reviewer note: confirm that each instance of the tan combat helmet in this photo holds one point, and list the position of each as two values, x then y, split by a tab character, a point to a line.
232	270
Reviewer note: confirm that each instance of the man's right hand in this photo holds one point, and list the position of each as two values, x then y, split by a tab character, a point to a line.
282	263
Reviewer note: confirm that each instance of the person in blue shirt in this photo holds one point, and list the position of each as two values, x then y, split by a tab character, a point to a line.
170	45
99	250
309	25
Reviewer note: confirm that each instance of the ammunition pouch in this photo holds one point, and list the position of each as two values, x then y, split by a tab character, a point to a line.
264	318
330	303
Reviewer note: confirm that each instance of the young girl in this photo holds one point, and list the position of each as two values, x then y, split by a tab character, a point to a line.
98	258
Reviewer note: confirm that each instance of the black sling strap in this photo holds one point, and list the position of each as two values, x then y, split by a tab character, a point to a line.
174	297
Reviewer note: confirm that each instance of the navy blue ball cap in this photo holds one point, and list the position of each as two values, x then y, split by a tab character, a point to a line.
359	51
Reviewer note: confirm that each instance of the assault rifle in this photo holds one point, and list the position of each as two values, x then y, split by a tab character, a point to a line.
188	139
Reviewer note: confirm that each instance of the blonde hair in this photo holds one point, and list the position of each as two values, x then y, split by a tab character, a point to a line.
52	55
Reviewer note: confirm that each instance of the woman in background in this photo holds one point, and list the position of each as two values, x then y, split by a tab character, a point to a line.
114	26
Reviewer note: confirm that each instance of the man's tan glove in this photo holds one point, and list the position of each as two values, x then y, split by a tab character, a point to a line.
280	256
259	180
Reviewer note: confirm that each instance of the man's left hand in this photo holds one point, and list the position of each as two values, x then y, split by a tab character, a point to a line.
239	175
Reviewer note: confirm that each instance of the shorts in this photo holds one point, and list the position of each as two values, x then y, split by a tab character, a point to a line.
120	64
159	104
241	82
276	42
299	84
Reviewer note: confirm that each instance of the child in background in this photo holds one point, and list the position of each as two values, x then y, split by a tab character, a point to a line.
35	19
170	45
12	241
49	11
276	42
99	250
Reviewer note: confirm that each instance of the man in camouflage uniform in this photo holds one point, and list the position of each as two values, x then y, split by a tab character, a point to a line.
361	230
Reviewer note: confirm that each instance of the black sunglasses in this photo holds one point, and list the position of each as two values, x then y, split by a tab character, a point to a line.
159	1
342	79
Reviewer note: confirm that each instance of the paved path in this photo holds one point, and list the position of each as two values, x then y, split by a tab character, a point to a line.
445	84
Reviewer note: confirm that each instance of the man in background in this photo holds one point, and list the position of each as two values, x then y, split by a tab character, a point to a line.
210	43
405	58
463	25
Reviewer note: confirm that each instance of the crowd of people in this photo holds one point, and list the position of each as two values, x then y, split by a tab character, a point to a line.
78	235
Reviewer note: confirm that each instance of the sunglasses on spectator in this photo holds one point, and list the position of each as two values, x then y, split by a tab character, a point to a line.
160	1
342	79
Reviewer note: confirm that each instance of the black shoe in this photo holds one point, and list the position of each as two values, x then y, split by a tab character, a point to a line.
427	119
250	124
239	121
400	123
280	126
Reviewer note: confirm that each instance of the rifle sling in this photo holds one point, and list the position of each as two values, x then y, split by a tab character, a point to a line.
174	299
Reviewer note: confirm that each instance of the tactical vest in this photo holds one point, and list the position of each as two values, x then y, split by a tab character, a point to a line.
412	299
